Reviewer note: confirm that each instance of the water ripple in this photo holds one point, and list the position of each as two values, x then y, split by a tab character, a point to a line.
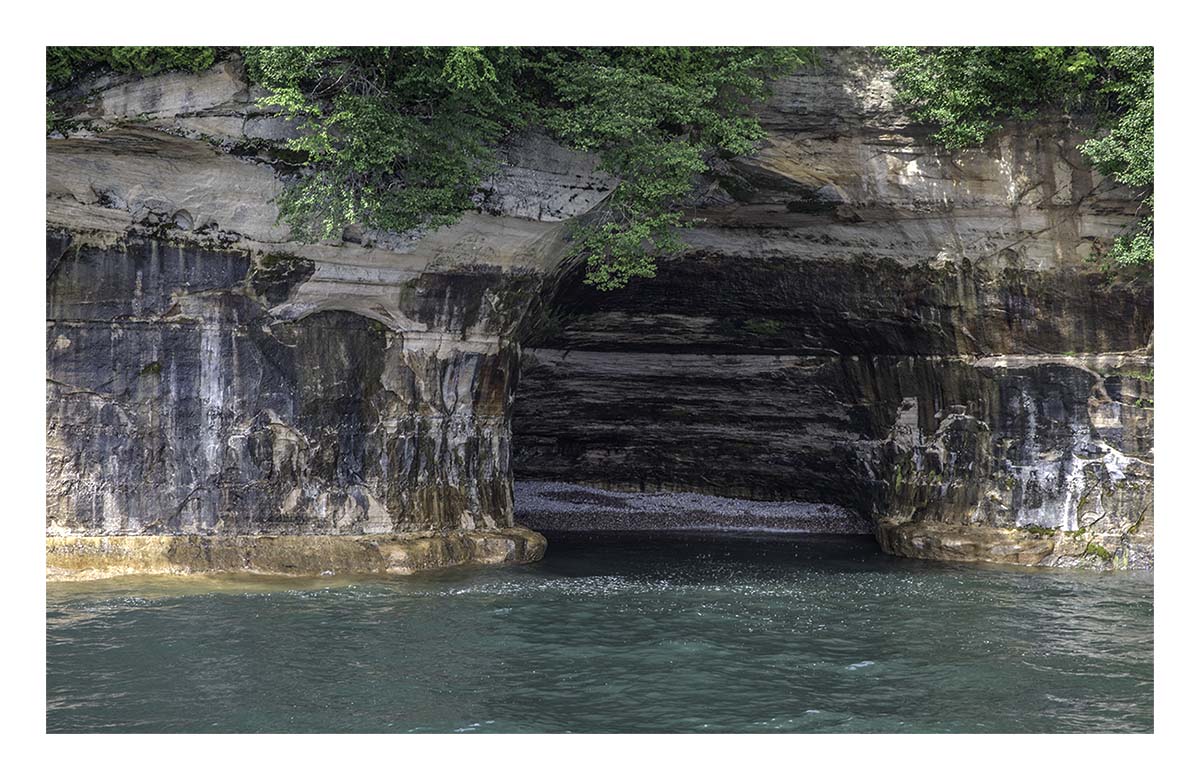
614	635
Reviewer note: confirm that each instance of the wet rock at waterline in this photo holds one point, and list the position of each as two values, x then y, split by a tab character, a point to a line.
75	558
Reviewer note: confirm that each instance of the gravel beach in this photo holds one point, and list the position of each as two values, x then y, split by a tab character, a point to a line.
562	506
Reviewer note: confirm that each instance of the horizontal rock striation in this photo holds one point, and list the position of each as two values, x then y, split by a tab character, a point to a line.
905	338
209	376
867	321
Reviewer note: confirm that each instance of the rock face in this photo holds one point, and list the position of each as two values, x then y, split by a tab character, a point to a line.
207	375
169	370
863	323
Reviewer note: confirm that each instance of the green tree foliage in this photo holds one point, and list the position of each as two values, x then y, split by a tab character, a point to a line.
395	138
654	115
967	91
64	63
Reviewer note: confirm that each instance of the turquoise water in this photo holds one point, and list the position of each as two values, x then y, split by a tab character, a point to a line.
626	634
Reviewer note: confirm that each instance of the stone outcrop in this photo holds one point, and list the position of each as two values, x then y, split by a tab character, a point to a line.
863	322
210	376
96	557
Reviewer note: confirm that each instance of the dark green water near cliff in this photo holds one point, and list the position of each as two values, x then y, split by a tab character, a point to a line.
617	633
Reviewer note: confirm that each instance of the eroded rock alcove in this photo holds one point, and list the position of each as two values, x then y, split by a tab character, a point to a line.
869	324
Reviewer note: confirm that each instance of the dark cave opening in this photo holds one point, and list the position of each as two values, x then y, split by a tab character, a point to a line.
677	403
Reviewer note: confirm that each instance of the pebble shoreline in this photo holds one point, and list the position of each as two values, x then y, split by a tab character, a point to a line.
563	506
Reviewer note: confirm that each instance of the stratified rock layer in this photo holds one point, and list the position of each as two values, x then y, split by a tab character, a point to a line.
97	557
863	322
866	321
208	375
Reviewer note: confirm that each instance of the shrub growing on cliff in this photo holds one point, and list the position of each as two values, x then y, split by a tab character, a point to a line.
967	91
400	138
64	63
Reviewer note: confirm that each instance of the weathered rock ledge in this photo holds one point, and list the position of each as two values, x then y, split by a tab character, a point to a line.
98	557
1027	546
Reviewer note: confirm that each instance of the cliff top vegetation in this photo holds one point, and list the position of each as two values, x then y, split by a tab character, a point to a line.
400	138
967	91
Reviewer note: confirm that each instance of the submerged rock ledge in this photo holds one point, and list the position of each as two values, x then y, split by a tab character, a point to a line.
98	557
1026	546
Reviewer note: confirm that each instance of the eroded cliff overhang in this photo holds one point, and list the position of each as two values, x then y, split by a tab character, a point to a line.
862	321
865	320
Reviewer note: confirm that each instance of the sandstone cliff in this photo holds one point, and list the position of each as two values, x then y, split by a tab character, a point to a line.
867	321
862	321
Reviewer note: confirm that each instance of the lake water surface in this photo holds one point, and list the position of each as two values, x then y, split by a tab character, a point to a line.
629	633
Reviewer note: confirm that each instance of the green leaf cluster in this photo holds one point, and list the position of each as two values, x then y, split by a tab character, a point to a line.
66	63
968	91
395	138
655	116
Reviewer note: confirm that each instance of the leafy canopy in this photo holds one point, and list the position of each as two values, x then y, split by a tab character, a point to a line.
65	63
967	91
